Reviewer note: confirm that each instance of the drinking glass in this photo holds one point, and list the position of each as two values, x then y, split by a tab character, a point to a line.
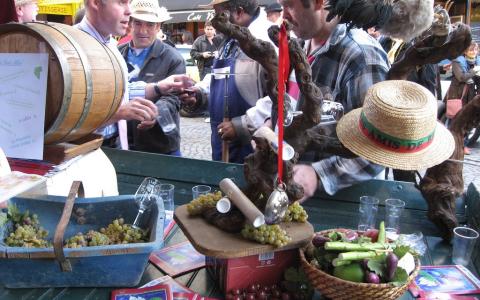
368	212
393	211
165	119
166	193
200	190
464	239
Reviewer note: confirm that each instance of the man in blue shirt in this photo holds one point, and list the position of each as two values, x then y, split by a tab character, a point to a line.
150	60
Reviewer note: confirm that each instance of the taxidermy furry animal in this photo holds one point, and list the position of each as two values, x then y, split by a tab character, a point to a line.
400	19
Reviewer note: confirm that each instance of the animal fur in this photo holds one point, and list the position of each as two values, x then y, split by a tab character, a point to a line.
400	19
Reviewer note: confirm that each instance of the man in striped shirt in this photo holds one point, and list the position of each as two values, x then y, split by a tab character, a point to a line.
345	63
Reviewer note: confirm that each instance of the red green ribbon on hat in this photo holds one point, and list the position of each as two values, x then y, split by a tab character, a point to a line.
392	143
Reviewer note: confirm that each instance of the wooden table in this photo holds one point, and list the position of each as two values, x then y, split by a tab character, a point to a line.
437	254
324	212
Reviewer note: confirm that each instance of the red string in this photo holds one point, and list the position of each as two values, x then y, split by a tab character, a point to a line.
283	72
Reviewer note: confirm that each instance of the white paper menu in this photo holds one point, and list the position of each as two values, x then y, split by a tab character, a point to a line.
23	88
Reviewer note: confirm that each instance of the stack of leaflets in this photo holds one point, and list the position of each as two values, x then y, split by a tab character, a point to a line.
178	259
445	283
165	288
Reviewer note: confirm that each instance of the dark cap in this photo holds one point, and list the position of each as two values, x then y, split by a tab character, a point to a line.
273	7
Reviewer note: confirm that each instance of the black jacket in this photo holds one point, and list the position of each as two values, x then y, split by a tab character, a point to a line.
162	61
200	45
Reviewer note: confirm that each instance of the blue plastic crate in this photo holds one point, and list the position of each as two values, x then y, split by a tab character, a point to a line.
99	266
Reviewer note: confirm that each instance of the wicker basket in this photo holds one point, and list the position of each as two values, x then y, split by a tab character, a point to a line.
336	288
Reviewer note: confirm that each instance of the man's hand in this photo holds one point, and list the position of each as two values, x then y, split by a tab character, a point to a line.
175	83
189	96
306	176
146	124
206	54
139	109
226	131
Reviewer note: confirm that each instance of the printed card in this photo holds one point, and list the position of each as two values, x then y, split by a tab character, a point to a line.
178	259
451	280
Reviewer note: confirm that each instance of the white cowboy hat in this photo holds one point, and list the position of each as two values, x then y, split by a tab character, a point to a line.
397	127
24	2
149	11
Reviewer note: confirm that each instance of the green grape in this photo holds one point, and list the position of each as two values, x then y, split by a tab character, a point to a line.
266	234
295	213
198	205
26	230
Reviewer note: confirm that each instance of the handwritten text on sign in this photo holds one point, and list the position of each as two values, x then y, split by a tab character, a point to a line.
23	88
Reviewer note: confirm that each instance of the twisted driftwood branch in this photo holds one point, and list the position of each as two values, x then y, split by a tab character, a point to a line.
443	184
430	50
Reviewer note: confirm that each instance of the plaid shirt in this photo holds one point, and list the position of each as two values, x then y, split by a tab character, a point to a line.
348	64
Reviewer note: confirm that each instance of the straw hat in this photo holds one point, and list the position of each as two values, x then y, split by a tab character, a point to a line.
214	2
149	11
397	127
24	2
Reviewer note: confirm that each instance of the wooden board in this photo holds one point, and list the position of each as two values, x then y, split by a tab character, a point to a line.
64	151
212	241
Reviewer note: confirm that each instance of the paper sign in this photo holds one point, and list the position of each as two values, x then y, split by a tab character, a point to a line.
23	88
4	165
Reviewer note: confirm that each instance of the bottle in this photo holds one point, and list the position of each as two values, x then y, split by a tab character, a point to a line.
146	196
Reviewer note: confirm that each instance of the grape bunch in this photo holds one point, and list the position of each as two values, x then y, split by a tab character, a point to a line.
92	238
26	230
295	213
266	234
120	233
259	292
203	202
28	236
116	233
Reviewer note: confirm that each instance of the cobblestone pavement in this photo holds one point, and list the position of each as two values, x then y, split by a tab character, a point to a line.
195	134
195	138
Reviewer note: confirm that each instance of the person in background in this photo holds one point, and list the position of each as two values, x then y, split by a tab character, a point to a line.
274	13
79	16
27	10
8	12
245	87
151	60
465	82
205	49
165	38
384	41
354	62
102	20
128	35
187	38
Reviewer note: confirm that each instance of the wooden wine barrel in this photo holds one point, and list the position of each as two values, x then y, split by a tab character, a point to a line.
85	78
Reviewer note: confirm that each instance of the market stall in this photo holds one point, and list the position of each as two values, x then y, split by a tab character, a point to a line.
324	212
59	8
252	229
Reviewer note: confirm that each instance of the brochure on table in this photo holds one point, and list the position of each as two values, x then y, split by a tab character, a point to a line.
23	89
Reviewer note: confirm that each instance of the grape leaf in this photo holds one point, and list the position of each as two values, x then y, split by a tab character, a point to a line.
13	213
3	218
400	277
377	265
400	251
335	236
293	275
